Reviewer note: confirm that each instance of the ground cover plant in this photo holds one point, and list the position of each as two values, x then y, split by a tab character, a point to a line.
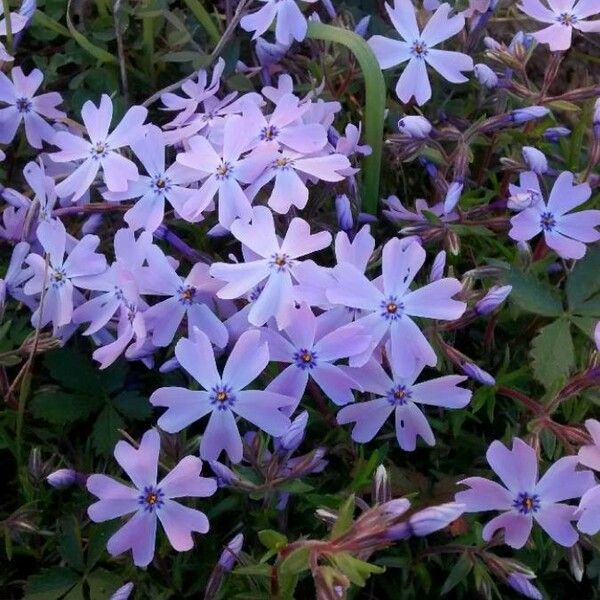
300	299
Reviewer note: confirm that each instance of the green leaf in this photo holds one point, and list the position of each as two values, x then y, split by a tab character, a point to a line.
533	295
553	353
105	433
375	94
50	584
102	584
356	570
271	539
460	570
99	53
73	370
345	518
132	405
586	324
69	544
204	19
584	280
261	570
296	561
61	408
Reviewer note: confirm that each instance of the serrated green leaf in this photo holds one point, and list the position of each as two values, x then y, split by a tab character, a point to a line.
532	294
50	584
132	405
61	408
460	570
73	370
296	561
586	324
553	353
105	433
102	584
584	280
356	570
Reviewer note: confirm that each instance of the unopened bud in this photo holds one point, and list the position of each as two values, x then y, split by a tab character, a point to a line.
452	196
225	476
596	119
477	373
123	592
521	584
343	212
434	518
493	299
485	76
524	115
381	486
64	478
452	243
230	554
415	127
535	159
576	562
438	266
293	437
553	134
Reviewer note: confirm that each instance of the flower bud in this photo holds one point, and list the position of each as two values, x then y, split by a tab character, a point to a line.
553	134
453	243
269	53
597	335
491	44
477	373
535	159
381	486
438	266
576	562
225	476
229	556
362	26
493	299
123	592
485	76
293	437
434	518
415	127
452	196
343	211
523	115
521	584
64	478
596	120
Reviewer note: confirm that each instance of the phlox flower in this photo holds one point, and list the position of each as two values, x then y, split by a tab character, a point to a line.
290	170
101	149
224	395
589	455
17	274
418	49
150	501
291	23
160	185
563	16
589	507
396	212
399	394
62	274
17	23
311	349
565	232
191	297
225	171
525	499
19	92
388	308
348	144
274	265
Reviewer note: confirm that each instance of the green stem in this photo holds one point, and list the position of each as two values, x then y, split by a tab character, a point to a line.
374	113
9	35
205	19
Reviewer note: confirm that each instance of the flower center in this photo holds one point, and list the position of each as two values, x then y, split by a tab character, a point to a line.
58	278
391	308
99	150
283	163
269	133
419	49
547	221
224	170
23	105
399	395
221	397
567	19
526	503
305	359
281	262
160	184
187	294
151	498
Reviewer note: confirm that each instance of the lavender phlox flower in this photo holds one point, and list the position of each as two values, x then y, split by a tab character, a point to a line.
191	297
588	512
290	170
389	305
418	48
494	298
397	213
400	395
274	266
100	152
485	75
453	195
438	266
589	455
17	23
197	91
269	53
553	134
522	583
477	374
225	171
42	186
284	87
224	395
123	592
290	22
348	145
565	232
415	127
535	159
525	499
527	194
17	274
312	353
149	500
563	16
24	106
58	279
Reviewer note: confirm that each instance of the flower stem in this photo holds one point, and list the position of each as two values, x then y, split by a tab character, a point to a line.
374	103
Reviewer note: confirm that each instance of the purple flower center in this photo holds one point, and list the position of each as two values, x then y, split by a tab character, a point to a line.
567	19
151	498
269	133
221	396
23	105
526	503
419	49
283	163
280	261
399	395
547	221
224	170
305	359
391	308
58	278
160	184
186	294
99	150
